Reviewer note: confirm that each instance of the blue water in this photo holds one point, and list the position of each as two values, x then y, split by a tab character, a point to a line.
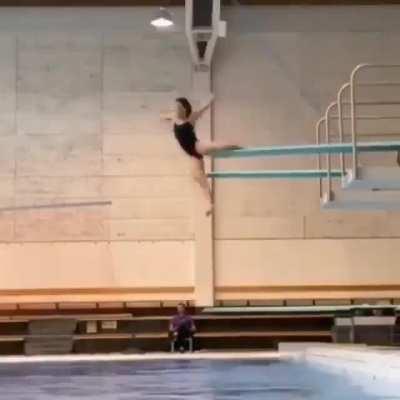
172	380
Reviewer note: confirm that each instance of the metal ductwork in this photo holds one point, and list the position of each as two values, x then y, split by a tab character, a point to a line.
202	29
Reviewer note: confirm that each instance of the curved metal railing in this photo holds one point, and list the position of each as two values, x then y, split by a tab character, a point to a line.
351	88
353	102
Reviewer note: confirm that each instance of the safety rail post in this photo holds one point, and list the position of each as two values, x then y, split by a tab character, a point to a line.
327	139
318	127
341	124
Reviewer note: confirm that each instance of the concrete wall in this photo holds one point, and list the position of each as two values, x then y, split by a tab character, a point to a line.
81	91
79	122
287	65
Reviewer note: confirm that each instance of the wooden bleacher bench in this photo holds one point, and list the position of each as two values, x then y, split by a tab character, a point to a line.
263	334
12	338
104	336
231	334
91	305
78	317
157	335
97	329
88	336
165	335
234	317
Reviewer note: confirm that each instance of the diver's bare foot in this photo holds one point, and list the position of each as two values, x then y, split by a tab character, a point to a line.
210	211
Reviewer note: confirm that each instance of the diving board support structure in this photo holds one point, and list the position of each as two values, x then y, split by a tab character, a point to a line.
202	22
204	274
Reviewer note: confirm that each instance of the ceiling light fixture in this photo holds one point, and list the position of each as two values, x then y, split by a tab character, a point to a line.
163	19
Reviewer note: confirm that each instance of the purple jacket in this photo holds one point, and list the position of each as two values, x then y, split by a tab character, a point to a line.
182	322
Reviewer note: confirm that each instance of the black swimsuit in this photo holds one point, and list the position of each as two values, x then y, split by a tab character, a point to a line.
186	137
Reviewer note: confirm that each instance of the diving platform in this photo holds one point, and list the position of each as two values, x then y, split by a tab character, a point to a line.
362	201
373	178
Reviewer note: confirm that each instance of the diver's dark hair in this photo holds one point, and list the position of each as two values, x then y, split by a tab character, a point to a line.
186	105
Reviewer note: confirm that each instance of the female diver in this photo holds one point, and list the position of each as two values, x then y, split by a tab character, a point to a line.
184	119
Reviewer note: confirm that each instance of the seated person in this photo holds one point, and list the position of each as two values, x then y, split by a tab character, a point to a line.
181	327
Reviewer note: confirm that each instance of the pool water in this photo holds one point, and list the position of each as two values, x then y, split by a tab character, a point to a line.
172	380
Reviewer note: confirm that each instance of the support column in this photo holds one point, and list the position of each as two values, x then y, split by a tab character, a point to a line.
204	242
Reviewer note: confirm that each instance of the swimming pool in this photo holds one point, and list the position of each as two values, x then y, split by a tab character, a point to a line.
173	380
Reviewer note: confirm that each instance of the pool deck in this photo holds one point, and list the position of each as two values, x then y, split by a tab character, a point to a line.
321	354
202	355
375	369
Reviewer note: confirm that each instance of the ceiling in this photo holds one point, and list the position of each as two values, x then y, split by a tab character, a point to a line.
114	3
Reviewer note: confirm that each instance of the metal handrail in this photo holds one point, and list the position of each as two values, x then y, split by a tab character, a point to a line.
374	103
327	139
340	122
318	127
353	103
379	83
367	117
318	132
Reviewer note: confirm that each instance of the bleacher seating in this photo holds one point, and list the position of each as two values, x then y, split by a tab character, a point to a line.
130	328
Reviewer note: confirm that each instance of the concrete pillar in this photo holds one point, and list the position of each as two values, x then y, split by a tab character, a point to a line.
204	249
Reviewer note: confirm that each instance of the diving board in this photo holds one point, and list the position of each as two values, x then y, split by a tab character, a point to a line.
275	174
311	149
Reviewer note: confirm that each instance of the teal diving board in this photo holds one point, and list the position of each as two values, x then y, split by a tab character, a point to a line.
283	174
302	150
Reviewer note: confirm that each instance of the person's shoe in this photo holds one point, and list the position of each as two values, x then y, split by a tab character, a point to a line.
181	349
